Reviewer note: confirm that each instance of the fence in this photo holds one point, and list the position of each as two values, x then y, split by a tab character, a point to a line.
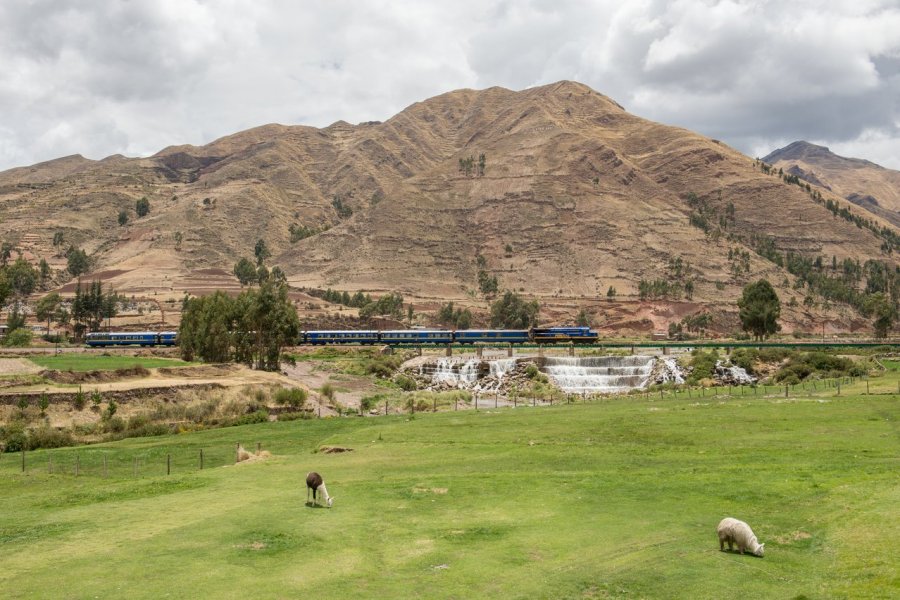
104	462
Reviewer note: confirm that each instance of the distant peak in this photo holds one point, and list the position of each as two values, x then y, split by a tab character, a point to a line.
804	151
798	151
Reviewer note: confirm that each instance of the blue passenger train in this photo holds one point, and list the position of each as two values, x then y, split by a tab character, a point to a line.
537	335
545	335
131	338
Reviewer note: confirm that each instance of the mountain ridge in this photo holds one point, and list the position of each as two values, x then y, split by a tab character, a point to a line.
577	196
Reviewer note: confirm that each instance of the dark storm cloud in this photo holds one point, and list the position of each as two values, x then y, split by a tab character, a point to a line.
132	76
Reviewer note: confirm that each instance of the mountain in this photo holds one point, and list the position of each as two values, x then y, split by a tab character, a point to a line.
576	196
863	183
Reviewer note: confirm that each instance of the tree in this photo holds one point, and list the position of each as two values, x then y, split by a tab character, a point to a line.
123	217
583	320
511	311
45	271
6	249
207	326
610	293
78	261
760	309
58	241
261	251
47	307
142	207
179	237
244	271
884	312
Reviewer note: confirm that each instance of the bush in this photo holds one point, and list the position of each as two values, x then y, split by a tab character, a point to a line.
294	416
406	383
48	437
295	397
114	425
259	416
532	371
703	364
17	338
13	437
80	399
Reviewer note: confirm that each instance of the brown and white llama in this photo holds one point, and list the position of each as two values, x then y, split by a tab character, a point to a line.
315	483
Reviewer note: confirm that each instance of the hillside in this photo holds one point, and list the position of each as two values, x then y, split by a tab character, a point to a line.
576	196
864	183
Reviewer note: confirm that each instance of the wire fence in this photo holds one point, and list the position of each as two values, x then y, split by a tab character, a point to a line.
124	463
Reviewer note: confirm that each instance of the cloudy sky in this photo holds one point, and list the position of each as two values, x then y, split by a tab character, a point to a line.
100	77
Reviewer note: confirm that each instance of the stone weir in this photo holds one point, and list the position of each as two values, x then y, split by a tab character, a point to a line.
595	374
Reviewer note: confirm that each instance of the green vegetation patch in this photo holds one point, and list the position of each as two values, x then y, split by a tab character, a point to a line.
616	498
93	362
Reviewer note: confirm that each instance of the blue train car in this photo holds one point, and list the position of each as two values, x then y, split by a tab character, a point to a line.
563	335
321	338
416	336
505	336
167	338
122	338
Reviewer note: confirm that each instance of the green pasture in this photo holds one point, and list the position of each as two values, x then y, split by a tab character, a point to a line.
611	499
98	362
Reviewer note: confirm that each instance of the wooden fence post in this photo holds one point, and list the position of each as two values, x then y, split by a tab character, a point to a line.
23	460
77	465
168	464
201	459
105	471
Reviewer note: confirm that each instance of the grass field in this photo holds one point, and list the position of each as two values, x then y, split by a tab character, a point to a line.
94	362
613	499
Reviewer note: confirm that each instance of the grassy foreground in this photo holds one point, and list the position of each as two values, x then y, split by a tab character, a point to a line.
618	498
94	362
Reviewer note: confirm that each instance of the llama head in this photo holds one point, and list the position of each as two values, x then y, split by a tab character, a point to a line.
761	550
331	501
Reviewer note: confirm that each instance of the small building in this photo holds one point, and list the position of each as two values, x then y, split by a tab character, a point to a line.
659	335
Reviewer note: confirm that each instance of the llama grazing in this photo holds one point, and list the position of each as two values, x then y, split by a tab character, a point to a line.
315	483
737	532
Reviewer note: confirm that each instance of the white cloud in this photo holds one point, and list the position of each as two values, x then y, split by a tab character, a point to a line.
133	76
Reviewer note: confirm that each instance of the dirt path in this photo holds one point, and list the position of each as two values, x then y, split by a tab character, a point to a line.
349	389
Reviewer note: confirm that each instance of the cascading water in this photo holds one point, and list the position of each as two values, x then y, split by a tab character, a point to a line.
452	371
501	367
599	373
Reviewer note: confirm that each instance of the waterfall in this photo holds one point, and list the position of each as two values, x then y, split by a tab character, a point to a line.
599	373
451	371
501	367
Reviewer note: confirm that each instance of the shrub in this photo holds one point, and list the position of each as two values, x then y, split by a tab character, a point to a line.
261	396
405	382
18	338
532	371
114	425
48	437
294	416
111	409
259	416
80	399
327	391
96	398
295	397
13	437
703	364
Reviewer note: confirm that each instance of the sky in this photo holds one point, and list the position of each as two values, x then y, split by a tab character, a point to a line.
102	77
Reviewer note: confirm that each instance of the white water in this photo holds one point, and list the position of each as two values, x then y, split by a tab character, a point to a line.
452	371
599	373
501	367
671	372
733	373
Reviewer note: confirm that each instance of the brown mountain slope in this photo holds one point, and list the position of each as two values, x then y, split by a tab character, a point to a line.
577	196
862	182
